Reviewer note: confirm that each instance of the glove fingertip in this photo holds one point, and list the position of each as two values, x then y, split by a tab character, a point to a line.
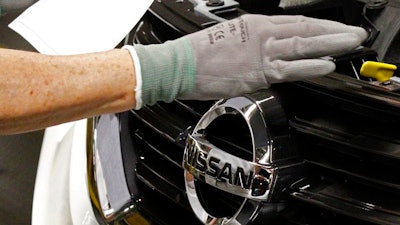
320	67
328	67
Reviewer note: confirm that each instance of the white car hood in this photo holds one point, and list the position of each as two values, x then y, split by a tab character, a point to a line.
61	190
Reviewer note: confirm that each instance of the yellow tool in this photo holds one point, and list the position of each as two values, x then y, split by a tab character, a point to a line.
377	70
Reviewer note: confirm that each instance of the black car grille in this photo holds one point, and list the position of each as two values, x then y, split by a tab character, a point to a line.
351	149
158	133
351	160
347	134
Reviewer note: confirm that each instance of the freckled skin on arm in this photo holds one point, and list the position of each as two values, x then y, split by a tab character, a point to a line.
37	91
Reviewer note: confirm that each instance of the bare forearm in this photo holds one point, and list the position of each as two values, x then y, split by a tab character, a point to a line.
37	91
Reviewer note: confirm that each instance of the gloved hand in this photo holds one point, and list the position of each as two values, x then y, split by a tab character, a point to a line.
241	56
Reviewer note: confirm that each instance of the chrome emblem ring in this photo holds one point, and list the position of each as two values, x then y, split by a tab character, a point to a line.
250	180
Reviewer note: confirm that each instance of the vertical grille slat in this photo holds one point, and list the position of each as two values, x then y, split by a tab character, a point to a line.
174	155
154	180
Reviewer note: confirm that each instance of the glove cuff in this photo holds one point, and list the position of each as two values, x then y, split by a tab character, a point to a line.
138	75
167	70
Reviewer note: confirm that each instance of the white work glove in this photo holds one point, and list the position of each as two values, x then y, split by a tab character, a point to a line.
241	56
